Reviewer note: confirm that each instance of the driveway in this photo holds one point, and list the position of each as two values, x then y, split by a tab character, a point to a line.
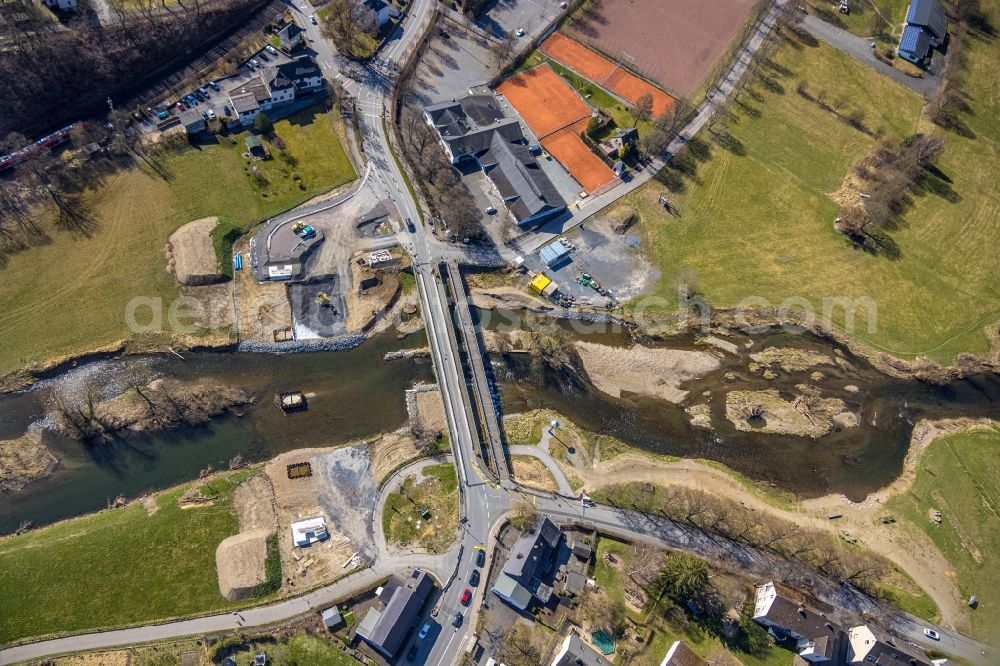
860	49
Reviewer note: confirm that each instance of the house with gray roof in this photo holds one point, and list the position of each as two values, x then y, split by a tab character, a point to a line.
276	86
475	127
290	37
574	652
386	630
680	654
381	11
926	29
529	565
813	636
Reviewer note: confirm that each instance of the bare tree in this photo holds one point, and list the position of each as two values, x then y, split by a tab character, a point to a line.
347	22
504	50
642	109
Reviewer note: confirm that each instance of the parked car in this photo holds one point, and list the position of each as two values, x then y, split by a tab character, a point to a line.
458	620
474	578
215	86
520	32
480	558
226	110
211	114
203	90
271	50
180	106
491	210
466	597
263	56
254	63
423	631
931	634
312	19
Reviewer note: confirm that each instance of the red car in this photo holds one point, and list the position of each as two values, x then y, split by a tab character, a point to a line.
466	597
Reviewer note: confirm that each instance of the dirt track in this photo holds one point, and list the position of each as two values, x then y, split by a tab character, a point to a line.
910	549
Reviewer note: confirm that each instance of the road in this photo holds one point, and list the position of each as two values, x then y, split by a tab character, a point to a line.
860	49
483	504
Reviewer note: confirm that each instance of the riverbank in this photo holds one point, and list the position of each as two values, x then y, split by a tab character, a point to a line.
644	325
593	462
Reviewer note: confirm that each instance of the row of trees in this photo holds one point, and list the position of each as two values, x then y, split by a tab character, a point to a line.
49	77
811	549
440	181
889	173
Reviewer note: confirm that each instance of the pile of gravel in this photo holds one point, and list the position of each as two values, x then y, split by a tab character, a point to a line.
339	343
348	494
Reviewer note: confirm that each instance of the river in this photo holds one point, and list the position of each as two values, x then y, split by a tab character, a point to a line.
853	461
353	394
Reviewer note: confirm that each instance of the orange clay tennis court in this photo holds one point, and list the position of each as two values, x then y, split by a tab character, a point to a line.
544	100
605	73
586	167
557	115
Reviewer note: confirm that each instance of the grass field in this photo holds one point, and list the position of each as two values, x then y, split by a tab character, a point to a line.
864	14
69	296
117	567
664	633
755	222
300	650
959	475
437	492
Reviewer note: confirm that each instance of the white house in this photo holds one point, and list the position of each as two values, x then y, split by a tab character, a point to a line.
275	87
381	10
309	531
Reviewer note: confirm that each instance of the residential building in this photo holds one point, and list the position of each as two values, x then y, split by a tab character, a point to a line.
929	16
475	127
290	37
574	652
386	630
276	86
814	637
308	531
193	121
680	654
529	565
926	29
864	647
381	11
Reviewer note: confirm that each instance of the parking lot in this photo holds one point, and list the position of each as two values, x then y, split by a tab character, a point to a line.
212	99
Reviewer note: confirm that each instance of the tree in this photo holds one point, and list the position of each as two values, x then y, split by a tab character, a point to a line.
520	646
262	123
347	22
684	577
654	141
503	51
601	612
642	109
523	515
670	120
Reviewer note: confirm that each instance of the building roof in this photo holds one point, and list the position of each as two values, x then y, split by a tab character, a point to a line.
915	42
575	652
928	14
575	582
331	617
401	612
531	556
467	125
511	589
791	615
519	179
376	5
303	67
255	86
253	141
540	282
865	647
552	254
191	117
290	32
583	550
680	654
308	531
